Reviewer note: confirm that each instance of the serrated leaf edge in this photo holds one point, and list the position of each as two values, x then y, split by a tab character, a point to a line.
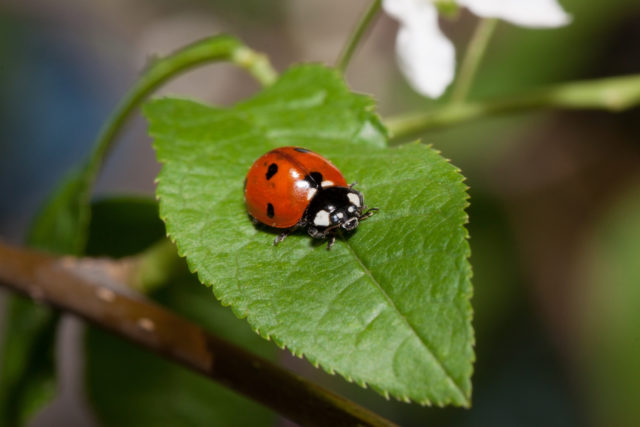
369	108
386	394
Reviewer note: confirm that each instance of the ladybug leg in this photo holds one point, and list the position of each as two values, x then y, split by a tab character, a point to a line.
281	237
353	184
315	233
332	240
326	234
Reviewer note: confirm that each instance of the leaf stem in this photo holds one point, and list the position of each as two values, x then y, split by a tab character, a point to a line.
57	281
611	94
472	58
356	35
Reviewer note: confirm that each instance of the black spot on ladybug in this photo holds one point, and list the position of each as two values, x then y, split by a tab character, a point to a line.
302	150
273	169
270	211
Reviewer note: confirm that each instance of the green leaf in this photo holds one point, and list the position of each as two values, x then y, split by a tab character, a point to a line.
388	306
128	386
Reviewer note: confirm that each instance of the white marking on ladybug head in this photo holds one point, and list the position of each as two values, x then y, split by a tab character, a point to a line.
312	192
327	183
321	219
351	209
353	198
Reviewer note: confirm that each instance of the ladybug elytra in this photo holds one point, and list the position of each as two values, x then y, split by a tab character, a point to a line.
291	187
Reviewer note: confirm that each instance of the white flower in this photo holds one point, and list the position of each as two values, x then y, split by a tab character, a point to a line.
427	58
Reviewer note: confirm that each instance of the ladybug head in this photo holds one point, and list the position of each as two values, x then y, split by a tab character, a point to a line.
334	207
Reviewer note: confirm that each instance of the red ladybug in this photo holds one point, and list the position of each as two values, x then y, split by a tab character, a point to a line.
291	187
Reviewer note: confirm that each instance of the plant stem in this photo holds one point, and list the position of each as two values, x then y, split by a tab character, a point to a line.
56	281
61	225
612	94
156	266
472	57
218	48
356	35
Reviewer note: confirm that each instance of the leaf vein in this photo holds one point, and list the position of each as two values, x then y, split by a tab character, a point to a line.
423	341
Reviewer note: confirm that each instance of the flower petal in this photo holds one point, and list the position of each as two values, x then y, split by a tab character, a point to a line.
425	56
526	13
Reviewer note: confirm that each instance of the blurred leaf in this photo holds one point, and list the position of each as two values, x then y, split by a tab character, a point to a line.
610	316
130	226
388	306
122	226
128	386
27	380
59	226
497	281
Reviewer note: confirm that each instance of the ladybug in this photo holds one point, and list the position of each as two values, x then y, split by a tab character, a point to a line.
291	188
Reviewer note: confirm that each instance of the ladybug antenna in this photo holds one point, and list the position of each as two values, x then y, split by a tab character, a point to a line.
333	227
368	213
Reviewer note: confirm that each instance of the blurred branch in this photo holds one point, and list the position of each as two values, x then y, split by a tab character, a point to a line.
63	283
611	94
142	273
356	35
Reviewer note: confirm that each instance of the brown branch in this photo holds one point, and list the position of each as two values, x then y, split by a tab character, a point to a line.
61	282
